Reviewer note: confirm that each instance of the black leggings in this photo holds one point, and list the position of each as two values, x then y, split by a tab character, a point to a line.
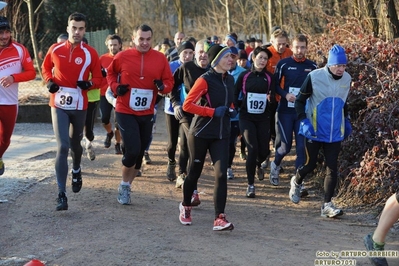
331	152
90	118
183	145
235	131
257	136
136	133
218	148
172	127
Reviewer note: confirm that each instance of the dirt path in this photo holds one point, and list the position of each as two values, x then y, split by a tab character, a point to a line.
96	230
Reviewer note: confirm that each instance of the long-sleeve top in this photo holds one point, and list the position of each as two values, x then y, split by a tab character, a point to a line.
251	94
211	90
16	61
290	75
105	61
66	64
139	70
185	77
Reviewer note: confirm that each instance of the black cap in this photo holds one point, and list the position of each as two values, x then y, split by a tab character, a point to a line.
4	24
185	45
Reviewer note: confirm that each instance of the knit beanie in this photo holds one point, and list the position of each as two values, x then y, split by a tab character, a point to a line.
216	52
336	56
184	46
4	24
231	38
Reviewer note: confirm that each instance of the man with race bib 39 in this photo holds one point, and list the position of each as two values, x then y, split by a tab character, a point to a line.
136	76
66	69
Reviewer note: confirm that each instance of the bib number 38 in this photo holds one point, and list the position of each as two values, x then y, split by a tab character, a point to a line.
140	99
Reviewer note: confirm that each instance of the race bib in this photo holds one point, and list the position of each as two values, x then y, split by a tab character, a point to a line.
256	102
67	98
140	99
295	91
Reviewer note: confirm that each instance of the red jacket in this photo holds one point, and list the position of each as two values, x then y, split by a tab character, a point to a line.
139	70
16	61
65	65
105	61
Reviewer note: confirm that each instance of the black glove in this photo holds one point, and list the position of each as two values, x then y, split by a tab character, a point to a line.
220	111
52	87
122	89
104	72
83	84
159	84
178	111
232	112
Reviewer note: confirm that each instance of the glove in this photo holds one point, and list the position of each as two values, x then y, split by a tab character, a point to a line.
306	129
122	89
159	84
83	84
52	87
220	111
348	128
233	112
178	111
104	72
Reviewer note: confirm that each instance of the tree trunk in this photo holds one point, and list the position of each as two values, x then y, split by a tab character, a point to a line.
264	29
392	20
269	9
372	16
180	17
33	37
281	9
228	20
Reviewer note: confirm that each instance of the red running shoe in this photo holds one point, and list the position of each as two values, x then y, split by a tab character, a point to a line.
221	224
185	214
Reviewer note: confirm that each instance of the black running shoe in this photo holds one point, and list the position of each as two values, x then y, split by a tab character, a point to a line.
62	202
107	141
76	181
118	149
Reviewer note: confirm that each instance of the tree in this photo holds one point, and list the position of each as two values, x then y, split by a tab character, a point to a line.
179	10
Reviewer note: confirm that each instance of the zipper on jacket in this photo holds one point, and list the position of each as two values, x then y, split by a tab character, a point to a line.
332	119
142	67
70	53
225	104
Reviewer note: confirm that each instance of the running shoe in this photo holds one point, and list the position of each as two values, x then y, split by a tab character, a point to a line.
2	167
90	152
180	180
76	181
330	211
274	174
118	149
124	194
185	214
171	172
62	202
295	191
195	200
139	173
107	141
265	163
221	223
260	173
147	159
230	174
304	192
373	246
250	191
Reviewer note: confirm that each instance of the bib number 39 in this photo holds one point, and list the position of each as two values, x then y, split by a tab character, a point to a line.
66	98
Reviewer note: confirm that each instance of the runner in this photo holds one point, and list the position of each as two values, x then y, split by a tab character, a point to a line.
66	69
137	75
16	66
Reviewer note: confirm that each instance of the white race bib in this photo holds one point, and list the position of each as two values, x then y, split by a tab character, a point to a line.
140	99
256	102
295	91
67	98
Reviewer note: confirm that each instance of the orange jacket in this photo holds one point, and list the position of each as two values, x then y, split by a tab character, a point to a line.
65	65
139	70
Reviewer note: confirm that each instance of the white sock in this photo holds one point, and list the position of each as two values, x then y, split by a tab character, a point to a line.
75	171
123	183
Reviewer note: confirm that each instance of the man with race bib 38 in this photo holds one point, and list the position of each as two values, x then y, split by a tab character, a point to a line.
136	76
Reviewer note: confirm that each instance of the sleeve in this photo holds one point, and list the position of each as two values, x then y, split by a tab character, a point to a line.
109	95
48	65
190	105
304	93
167	78
238	90
28	72
278	74
95	70
272	91
178	81
113	73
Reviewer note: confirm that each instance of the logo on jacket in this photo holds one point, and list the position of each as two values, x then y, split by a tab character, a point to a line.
292	68
78	60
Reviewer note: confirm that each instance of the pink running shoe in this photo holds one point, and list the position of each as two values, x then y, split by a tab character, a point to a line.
185	214
195	200
221	224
